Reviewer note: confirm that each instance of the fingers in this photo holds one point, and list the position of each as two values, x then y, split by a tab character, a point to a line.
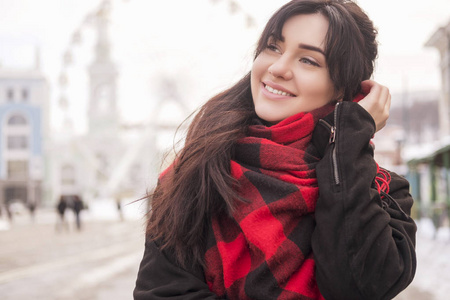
388	104
377	102
385	95
385	114
367	85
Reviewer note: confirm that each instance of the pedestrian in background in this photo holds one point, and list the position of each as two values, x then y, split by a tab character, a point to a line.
61	206
119	208
32	209
276	194
77	205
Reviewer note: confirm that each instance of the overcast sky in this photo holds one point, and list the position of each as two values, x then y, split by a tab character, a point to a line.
199	43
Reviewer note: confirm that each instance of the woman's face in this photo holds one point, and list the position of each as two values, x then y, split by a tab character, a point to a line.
291	75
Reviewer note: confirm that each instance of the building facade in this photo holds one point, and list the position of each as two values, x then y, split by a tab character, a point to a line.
110	162
440	40
429	164
84	164
23	137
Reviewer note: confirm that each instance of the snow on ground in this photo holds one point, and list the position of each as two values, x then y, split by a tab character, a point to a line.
4	225
98	210
433	260
433	247
106	209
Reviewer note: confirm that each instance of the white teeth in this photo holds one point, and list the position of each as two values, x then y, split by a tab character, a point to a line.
277	92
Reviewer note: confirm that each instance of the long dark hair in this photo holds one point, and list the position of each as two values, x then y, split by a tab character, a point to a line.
198	185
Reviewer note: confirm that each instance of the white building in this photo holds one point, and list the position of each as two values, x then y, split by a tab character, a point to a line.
110	162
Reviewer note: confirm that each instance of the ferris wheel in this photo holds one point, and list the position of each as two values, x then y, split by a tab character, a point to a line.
96	23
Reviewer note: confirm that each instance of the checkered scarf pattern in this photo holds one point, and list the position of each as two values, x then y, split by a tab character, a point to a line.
263	250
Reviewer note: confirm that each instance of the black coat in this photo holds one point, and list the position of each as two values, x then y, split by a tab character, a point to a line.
363	245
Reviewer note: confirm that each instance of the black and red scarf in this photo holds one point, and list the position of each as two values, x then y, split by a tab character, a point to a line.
263	251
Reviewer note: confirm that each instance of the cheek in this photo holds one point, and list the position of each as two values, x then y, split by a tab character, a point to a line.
257	67
262	63
331	91
256	74
253	83
319	87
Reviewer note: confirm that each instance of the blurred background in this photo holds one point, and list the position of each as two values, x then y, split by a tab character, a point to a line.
92	93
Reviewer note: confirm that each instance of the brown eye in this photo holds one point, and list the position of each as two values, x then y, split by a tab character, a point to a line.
274	48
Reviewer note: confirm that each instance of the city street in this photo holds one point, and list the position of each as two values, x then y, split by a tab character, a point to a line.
100	262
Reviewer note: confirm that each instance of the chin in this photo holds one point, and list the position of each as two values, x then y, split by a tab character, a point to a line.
269	118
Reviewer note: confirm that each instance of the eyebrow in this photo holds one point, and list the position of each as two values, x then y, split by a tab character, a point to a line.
301	45
309	47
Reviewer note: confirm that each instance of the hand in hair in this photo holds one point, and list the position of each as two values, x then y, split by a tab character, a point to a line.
377	102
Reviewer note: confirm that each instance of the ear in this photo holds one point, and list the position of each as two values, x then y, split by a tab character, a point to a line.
338	95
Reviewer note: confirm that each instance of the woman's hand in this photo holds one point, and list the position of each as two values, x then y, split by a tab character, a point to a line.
377	102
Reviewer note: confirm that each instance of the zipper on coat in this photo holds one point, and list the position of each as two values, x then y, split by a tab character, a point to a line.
331	129
333	137
332	142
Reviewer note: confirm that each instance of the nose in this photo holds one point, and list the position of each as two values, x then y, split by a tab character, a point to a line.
281	68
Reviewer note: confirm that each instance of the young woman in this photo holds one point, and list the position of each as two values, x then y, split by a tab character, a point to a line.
276	194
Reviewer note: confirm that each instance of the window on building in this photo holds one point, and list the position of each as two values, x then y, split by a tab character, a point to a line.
10	94
18	169
17	142
25	94
17	119
68	175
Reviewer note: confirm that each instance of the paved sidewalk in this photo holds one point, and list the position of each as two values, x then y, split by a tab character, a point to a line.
101	261
38	262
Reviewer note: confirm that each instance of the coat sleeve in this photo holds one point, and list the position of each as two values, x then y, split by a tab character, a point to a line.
160	278
363	244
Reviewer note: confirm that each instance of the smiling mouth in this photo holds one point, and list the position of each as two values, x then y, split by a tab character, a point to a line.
277	92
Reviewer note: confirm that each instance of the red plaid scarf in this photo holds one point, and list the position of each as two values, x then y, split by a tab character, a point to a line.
263	251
